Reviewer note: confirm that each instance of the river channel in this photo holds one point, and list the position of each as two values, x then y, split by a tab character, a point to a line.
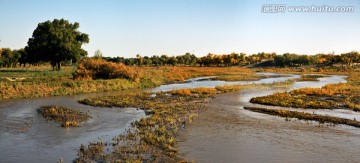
27	137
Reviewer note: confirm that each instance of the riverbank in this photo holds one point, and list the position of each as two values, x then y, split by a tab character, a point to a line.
333	96
41	82
110	120
153	138
187	95
108	123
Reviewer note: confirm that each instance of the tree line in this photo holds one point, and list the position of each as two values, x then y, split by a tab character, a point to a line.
241	59
20	57
224	60
59	41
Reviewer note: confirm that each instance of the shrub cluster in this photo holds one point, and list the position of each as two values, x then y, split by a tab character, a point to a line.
92	68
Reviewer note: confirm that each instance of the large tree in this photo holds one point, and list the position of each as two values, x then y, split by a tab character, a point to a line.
56	41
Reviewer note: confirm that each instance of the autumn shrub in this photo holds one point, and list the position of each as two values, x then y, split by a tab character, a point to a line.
92	68
202	90
184	92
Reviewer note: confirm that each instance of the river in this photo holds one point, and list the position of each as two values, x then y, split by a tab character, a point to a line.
225	132
27	137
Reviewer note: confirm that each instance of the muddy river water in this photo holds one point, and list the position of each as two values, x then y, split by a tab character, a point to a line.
224	132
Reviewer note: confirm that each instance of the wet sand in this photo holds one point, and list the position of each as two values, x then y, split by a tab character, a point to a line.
225	132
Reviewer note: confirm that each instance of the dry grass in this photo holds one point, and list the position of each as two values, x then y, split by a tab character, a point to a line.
306	116
331	96
67	117
92	68
152	139
171	74
196	91
41	82
309	78
239	77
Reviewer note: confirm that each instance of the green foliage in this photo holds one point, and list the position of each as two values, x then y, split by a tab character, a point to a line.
291	60
9	58
56	41
350	58
241	59
319	59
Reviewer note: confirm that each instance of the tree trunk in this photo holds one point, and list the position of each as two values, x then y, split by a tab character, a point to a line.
58	66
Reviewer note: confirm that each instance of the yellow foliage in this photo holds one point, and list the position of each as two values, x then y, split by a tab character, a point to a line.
91	68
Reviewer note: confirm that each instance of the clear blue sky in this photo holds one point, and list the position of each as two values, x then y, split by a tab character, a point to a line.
154	27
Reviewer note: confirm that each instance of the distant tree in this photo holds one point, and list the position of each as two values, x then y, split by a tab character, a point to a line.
193	60
187	59
139	59
201	61
16	55
23	58
163	59
98	54
130	61
5	56
218	60
9	58
57	41
172	61
1	62
180	60
303	60
242	58
155	60
279	60
147	61
350	58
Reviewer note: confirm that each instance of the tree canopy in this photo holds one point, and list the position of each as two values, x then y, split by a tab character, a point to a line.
56	41
9	58
241	59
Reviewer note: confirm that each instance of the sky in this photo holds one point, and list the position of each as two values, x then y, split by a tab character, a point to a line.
174	27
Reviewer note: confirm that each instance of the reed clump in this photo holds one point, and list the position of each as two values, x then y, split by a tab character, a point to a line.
305	116
309	78
65	116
